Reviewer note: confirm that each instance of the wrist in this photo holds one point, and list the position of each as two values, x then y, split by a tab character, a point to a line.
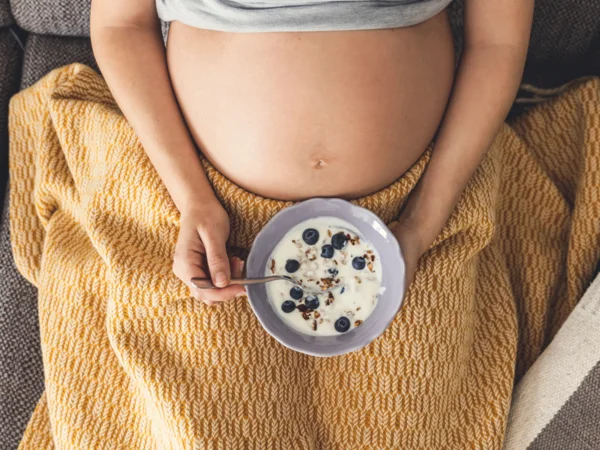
199	204
413	225
190	197
427	210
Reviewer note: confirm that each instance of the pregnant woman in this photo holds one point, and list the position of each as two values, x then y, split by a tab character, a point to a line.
189	149
292	100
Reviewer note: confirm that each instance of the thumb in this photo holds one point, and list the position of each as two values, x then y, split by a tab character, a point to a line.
216	258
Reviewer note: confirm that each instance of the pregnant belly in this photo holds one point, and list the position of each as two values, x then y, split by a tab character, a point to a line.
298	115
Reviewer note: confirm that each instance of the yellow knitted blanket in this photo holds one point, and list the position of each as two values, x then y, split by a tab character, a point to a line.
131	361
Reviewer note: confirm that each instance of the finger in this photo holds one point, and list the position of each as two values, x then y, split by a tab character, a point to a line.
220	295
216	258
188	268
196	293
234	263
214	296
188	259
237	269
230	292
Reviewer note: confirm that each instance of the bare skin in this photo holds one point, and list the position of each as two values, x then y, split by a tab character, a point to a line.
297	115
346	118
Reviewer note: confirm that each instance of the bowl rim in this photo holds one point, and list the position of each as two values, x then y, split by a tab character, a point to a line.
397	250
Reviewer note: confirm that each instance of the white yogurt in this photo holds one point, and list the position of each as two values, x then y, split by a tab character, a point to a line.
355	290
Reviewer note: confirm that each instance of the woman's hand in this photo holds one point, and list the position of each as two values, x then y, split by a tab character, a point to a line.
200	252
412	248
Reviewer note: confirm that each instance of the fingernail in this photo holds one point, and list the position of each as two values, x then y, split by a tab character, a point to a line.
242	264
221	278
239	295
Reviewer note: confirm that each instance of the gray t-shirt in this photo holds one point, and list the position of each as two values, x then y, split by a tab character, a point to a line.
298	15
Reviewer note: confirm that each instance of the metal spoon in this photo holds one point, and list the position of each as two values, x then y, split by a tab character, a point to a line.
206	283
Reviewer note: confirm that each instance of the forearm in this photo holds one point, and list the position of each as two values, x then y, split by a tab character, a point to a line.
133	63
486	84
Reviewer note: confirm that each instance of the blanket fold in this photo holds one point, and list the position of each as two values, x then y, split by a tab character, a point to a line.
132	361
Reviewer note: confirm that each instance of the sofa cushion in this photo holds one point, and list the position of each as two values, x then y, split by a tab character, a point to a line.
45	53
564	43
564	31
59	17
6	17
56	17
21	369
575	426
10	55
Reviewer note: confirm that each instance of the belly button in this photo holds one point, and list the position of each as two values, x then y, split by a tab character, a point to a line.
319	164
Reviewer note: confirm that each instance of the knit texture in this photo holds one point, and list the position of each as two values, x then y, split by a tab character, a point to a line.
132	361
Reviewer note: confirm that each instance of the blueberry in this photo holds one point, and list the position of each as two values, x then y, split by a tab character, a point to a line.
339	240
342	324
359	263
292	265
333	271
310	236
311	302
327	251
288	306
296	293
342	291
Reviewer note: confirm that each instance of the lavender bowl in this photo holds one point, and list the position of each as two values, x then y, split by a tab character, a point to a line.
372	229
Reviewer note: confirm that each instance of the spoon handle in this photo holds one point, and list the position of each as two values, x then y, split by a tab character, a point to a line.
206	283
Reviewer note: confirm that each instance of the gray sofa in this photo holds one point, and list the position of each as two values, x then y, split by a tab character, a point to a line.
37	36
